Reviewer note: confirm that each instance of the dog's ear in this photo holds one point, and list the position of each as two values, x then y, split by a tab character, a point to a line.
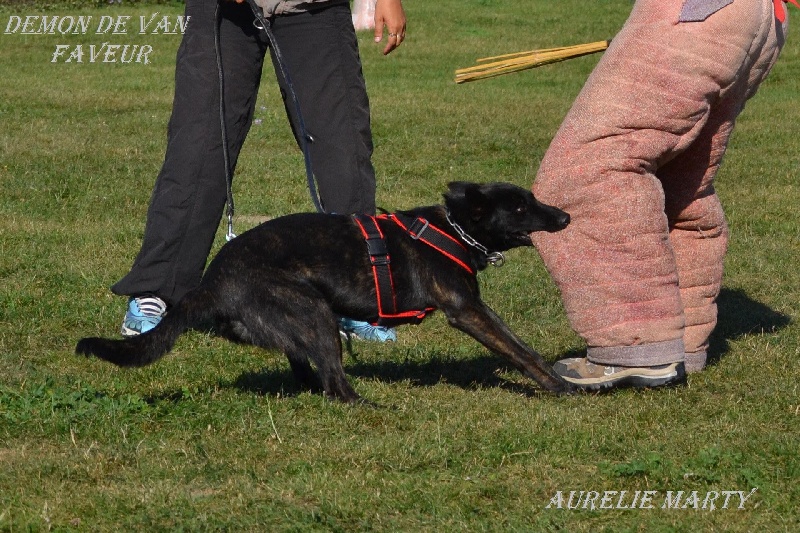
466	199
455	190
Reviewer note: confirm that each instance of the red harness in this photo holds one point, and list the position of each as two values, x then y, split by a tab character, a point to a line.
418	229
780	11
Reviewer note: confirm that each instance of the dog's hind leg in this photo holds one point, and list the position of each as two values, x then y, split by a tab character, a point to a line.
298	321
284	336
331	373
319	342
303	371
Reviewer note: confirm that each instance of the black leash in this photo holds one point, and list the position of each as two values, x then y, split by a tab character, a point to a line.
225	155
304	137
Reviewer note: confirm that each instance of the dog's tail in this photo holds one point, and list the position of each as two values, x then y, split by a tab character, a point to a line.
148	347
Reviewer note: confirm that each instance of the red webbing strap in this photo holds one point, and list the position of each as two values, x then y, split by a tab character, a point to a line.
422	230
382	273
379	257
780	11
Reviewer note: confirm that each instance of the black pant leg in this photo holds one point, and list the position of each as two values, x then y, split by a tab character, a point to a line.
321	52
190	191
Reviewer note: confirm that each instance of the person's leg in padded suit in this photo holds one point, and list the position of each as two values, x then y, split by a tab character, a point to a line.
640	266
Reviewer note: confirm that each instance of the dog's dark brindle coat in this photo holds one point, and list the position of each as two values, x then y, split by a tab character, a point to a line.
283	284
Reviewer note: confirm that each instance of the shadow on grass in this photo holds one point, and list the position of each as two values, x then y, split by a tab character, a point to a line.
739	315
480	372
265	382
484	371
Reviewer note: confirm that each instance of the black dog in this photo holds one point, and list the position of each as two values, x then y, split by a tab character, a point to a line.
282	284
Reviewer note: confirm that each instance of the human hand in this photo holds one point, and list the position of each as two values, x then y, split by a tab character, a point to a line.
389	13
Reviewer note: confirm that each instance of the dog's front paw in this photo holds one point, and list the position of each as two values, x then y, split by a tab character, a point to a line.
560	386
568	389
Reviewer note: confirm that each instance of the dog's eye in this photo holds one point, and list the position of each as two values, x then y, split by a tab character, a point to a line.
520	210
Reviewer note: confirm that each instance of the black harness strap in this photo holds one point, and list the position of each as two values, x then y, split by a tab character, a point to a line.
379	257
422	230
418	229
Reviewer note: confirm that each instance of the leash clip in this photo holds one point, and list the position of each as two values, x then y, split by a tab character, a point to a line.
230	235
496	259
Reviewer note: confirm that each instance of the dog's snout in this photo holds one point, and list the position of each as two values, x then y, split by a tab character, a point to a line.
554	219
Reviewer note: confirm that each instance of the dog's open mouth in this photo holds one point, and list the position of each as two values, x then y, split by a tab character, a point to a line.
552	228
522	236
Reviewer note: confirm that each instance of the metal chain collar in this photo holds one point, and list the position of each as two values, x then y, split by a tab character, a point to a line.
496	259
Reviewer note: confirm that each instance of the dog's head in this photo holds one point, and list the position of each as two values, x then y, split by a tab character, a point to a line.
501	216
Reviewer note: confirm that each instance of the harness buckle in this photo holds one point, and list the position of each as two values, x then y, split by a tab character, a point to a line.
415	233
378	253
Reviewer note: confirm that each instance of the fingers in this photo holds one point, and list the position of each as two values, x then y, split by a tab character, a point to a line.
394	40
389	14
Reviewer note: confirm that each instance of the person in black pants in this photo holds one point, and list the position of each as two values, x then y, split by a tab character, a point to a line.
319	47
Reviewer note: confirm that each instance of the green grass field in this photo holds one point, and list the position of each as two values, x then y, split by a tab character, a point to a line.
217	437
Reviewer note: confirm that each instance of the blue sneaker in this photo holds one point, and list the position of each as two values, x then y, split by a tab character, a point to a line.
143	314
364	330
